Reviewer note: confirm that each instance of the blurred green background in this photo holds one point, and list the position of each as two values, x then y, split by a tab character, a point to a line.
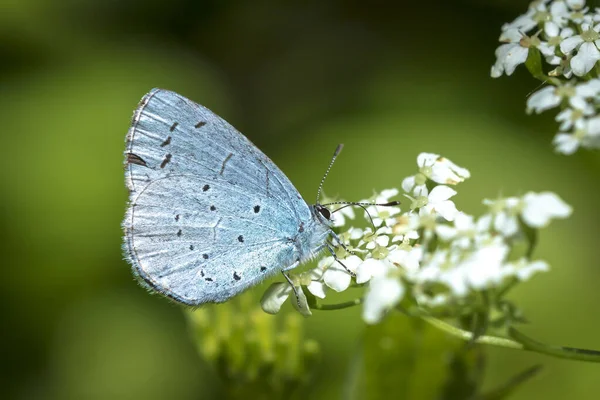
387	80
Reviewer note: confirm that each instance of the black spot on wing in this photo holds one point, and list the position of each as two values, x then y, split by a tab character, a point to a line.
263	269
205	188
166	142
200	124
256	209
205	256
172	128
213	208
177	217
236	276
241	239
191	247
179	233
166	160
135	159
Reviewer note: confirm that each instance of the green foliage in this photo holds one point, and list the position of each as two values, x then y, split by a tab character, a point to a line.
409	359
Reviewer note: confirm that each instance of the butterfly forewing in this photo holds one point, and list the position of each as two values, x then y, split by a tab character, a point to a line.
209	213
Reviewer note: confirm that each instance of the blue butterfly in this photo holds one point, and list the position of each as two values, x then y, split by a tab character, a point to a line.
209	214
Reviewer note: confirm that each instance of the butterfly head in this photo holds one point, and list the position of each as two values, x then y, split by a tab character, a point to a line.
322	214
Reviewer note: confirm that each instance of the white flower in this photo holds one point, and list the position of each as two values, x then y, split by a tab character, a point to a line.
566	143
540	208
484	268
277	294
554	35
407	258
371	267
415	184
315	285
575	4
436	168
461	234
438	203
537	13
383	293
586	44
586	134
513	53
335	275
441	170
504	215
578	96
524	269
378	240
569	117
544	99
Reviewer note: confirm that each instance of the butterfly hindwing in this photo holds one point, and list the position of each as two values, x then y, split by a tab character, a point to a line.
209	213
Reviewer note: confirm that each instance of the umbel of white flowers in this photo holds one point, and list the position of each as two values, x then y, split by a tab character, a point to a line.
561	37
431	244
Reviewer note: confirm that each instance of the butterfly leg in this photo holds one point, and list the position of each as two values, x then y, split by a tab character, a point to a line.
339	242
335	257
293	288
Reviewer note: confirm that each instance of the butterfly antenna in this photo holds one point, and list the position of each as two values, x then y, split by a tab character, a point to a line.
335	154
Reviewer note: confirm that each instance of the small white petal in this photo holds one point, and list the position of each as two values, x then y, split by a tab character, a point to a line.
593	126
427	159
569	44
543	99
386	195
420	190
446	232
576	4
446	172
515	57
540	208
565	143
383	294
408	183
526	272
325	262
447	209
441	193
586	58
370	268
356	233
301	303
506	224
511	36
551	29
275	296
484	223
337	278
317	288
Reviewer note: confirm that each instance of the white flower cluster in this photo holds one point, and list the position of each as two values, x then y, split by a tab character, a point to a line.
432	254
566	34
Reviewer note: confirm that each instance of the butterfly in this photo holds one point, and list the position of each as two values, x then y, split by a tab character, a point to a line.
209	215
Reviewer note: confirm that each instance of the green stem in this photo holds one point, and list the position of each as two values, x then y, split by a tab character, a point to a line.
466	335
518	341
569	353
338	306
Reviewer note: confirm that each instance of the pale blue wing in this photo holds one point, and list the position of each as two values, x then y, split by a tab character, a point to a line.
209	213
196	248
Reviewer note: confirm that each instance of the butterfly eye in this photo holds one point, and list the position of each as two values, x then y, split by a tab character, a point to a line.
324	211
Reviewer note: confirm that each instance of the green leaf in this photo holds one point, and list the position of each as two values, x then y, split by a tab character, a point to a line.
534	64
406	358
